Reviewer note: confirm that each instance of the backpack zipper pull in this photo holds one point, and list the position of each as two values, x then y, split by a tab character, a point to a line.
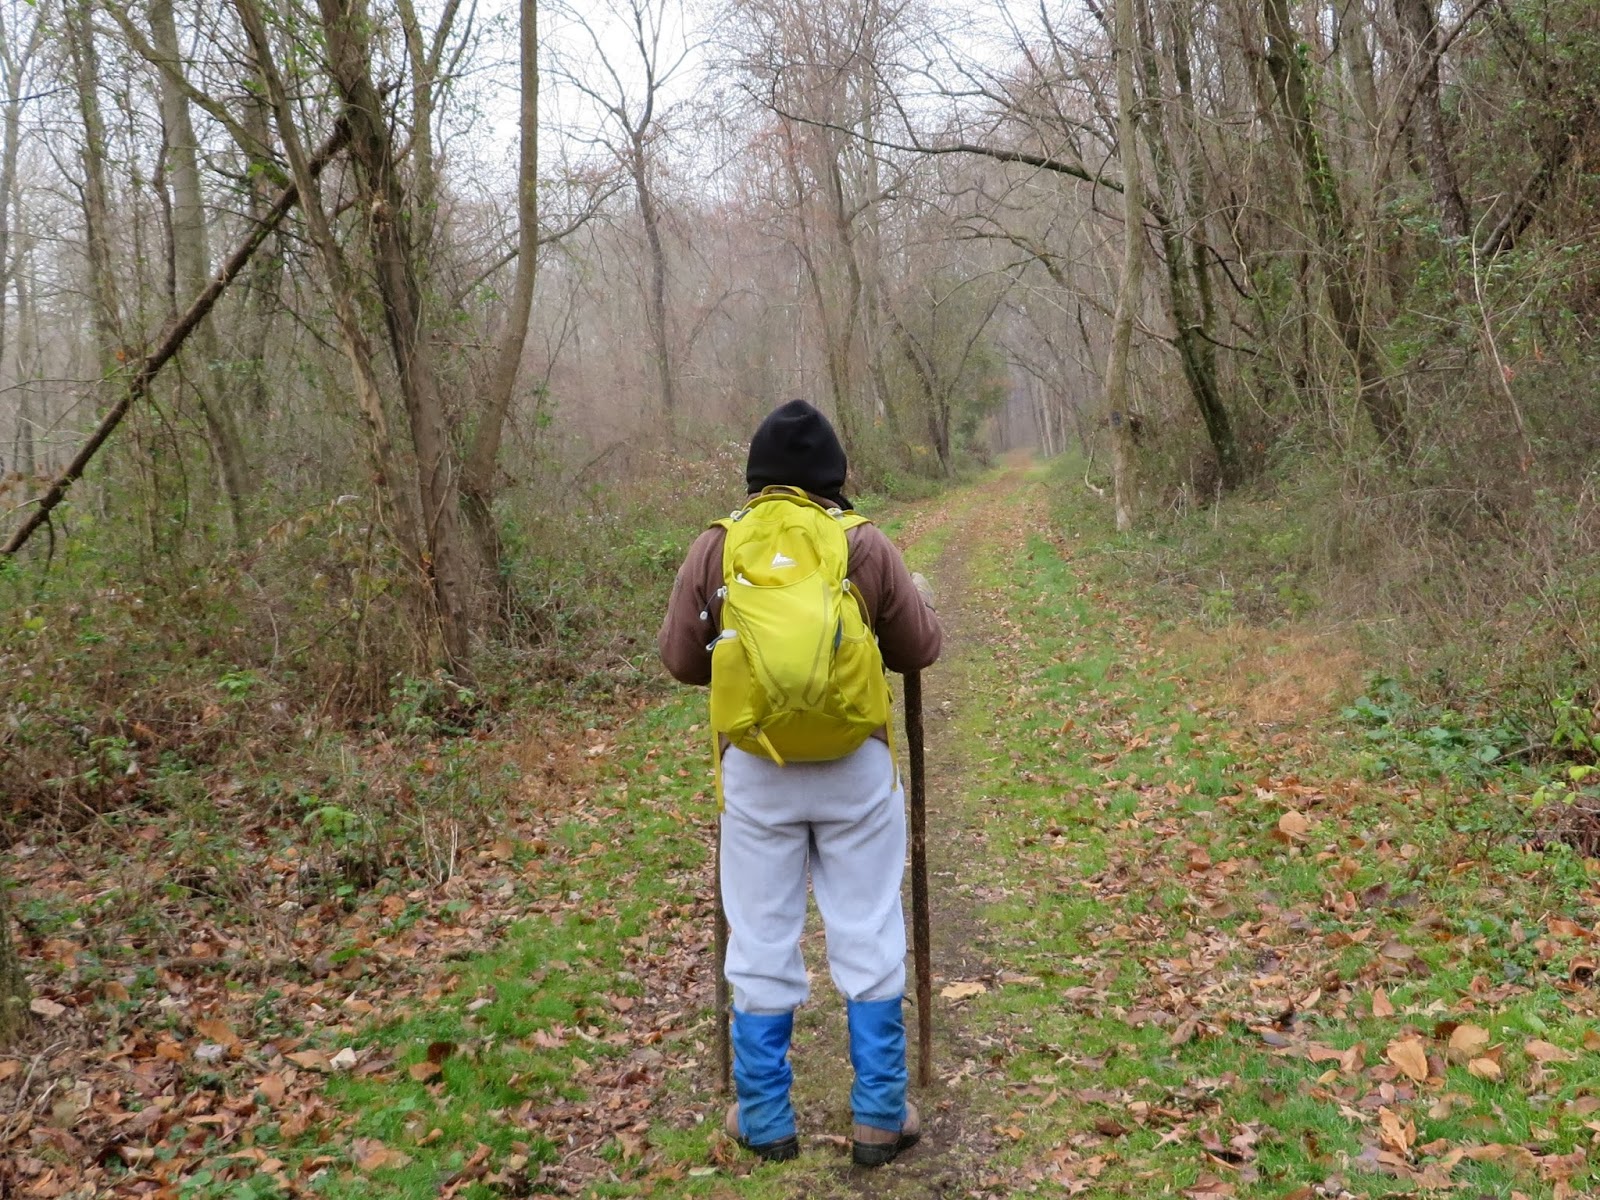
721	594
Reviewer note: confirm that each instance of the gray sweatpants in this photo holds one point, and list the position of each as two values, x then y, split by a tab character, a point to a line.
846	821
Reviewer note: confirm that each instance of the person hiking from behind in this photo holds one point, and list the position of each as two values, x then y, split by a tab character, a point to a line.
807	779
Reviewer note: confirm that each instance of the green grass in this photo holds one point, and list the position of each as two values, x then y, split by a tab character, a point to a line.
1171	956
1440	856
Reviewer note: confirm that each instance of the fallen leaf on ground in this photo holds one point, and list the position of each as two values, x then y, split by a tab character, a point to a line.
372	1155
273	1087
1546	1052
1398	1135
1484	1068
1408	1054
1380	1004
439	1051
962	989
215	1029
1467	1042
1294	825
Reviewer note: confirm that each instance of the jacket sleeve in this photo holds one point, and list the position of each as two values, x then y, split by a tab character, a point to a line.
908	630
690	624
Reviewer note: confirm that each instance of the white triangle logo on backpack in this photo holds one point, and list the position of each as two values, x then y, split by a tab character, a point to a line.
780	559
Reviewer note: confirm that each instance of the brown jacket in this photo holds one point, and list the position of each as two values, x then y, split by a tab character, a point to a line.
908	631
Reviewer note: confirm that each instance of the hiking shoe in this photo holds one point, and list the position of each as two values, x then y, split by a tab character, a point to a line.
873	1146
780	1151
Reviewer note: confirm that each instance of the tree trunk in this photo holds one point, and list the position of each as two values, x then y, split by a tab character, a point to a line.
346	23
1419	26
11	264
835	351
852	303
656	293
1118	381
10	258
1294	96
425	173
1357	51
1187	292
393	488
26	351
192	266
266	272
478	476
105	312
937	410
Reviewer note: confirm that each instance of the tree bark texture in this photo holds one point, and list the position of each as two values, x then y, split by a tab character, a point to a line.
27	345
15	60
936	405
836	329
656	294
266	272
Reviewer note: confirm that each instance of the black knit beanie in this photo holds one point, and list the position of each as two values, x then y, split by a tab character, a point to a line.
796	447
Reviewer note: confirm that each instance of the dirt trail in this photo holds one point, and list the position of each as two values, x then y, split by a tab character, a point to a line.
409	966
958	1143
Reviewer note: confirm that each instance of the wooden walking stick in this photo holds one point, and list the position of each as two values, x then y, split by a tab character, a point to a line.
719	939
920	933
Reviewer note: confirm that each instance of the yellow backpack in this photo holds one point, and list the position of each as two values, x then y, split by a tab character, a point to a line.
796	675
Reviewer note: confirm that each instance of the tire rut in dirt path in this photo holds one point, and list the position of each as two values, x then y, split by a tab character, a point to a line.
959	1139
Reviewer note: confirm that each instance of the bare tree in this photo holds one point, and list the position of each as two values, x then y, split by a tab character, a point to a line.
1320	194
1419	25
481	466
1119	407
191	262
824	71
346	24
630	89
79	36
16	60
393	484
1179	207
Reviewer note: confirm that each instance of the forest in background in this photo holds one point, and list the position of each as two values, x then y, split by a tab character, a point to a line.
1308	289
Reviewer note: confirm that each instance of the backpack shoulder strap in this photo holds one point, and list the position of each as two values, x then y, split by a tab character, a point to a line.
792	495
